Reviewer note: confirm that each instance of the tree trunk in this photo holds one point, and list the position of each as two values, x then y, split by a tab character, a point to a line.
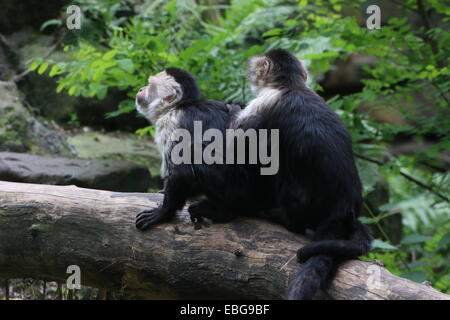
44	229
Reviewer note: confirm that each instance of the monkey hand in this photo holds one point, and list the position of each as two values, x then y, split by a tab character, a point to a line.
147	218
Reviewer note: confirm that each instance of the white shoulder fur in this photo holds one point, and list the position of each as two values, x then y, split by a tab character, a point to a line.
266	98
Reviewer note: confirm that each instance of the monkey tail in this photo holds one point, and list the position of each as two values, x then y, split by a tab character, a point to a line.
358	244
321	261
315	274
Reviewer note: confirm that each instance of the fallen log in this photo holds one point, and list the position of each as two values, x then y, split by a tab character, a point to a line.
44	229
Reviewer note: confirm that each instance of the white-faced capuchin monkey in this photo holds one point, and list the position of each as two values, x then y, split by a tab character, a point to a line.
171	101
317	186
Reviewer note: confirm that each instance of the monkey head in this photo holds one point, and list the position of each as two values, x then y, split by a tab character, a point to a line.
164	91
278	68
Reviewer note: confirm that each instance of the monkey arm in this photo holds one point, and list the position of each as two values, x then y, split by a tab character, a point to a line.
177	188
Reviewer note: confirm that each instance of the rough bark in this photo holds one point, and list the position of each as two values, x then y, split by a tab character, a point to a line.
44	229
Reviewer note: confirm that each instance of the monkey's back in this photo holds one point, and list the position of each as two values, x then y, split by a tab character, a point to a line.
317	170
212	115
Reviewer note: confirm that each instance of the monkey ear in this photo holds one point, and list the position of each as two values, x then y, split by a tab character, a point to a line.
260	66
170	98
267	65
304	72
263	65
151	80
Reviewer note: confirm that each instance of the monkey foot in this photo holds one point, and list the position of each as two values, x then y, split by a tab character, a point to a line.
303	254
207	209
199	210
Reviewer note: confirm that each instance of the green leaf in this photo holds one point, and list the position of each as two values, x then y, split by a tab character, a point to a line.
118	74
416	264
415	238
42	68
34	65
382	245
126	64
108	56
273	32
147	130
366	220
98	74
72	90
290	23
388	206
52	22
54	71
60	87
122	110
444	241
101	92
171	7
317	56
416	276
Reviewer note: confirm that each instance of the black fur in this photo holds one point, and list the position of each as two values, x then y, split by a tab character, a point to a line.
287	70
317	186
188	84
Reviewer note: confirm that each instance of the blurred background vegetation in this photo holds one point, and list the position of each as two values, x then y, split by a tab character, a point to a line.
390	87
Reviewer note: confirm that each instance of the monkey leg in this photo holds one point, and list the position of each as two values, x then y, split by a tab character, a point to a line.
277	215
210	210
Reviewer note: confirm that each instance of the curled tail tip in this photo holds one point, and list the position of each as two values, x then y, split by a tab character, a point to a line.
303	291
315	274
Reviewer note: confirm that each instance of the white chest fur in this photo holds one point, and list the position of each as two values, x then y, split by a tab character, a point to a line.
164	128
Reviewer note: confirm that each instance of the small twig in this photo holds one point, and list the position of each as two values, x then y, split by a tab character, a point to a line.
59	294
433	44
44	288
433	82
109	265
70	294
404	6
290	259
380	228
7	289
423	185
104	294
442	93
19	76
406	176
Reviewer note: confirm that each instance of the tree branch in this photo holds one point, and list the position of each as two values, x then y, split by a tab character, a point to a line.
404	6
406	176
432	43
44	229
18	77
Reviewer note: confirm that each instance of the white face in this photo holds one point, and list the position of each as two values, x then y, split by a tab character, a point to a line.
158	96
